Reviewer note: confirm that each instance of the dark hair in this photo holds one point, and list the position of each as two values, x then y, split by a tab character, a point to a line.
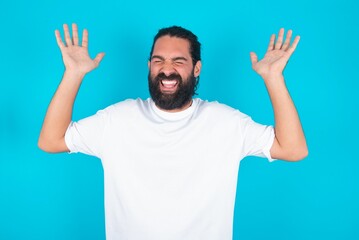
179	32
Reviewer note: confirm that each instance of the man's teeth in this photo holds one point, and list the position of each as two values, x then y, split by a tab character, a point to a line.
169	83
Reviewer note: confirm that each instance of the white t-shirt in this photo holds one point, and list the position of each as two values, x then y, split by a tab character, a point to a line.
169	176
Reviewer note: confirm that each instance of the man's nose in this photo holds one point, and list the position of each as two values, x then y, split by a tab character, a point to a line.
168	69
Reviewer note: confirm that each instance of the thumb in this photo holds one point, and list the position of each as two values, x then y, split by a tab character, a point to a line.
254	58
98	58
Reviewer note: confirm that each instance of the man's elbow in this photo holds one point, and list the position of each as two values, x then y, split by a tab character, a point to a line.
297	155
45	146
51	146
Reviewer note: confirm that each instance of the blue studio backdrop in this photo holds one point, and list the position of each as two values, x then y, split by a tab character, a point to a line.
60	196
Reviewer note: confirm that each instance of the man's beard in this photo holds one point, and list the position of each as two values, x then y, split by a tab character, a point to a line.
169	101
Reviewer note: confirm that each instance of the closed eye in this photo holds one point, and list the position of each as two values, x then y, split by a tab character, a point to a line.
157	59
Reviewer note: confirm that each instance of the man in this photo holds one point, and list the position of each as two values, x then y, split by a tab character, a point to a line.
170	162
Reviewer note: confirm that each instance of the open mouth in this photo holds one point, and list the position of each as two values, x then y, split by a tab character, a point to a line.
169	85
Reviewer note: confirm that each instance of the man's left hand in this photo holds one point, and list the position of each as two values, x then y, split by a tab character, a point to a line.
276	57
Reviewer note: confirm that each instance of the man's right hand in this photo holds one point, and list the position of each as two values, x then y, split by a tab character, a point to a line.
76	57
59	113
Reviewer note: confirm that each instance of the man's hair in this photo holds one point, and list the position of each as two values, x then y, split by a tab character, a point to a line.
179	32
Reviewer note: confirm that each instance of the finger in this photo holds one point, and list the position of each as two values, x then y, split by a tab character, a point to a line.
85	35
58	39
98	58
294	45
67	35
75	35
287	40
254	58
279	42
271	42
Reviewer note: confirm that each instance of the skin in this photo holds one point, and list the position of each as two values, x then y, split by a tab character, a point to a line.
172	55
289	143
59	113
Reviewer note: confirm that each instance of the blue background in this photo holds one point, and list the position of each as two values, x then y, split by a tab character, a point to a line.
60	196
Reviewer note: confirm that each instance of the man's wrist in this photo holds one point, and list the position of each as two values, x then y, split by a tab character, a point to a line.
275	79
74	74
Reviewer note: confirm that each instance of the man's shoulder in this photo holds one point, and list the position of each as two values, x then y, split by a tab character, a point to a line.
216	107
125	106
129	103
220	111
220	114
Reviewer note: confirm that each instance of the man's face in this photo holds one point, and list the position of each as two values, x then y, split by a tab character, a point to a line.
172	76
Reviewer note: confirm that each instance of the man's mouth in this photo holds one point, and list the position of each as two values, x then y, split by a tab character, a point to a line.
169	85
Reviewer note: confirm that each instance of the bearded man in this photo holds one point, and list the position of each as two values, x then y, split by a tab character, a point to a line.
171	161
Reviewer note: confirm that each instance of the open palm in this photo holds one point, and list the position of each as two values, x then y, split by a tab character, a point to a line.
277	55
76	57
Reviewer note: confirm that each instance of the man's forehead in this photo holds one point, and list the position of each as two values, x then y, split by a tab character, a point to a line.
168	44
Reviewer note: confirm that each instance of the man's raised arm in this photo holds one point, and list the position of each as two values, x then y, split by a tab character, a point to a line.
289	143
59	113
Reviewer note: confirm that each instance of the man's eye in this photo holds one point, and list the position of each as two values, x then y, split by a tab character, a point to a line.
178	62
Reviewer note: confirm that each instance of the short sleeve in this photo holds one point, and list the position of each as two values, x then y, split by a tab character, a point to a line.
86	135
257	138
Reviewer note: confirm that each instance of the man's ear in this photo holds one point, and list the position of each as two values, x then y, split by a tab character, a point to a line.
197	68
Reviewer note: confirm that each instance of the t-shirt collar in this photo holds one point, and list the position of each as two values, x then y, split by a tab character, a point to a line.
174	116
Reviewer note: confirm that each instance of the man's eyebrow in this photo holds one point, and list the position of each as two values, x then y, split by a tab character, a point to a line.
173	59
179	58
157	56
